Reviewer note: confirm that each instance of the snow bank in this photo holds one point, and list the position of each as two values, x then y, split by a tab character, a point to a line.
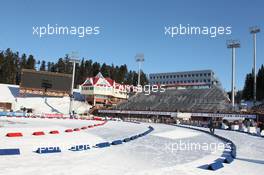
10	93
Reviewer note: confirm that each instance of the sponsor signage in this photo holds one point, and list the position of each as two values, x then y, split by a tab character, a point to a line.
175	114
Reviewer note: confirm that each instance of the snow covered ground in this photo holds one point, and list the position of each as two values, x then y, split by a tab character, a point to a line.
10	93
155	153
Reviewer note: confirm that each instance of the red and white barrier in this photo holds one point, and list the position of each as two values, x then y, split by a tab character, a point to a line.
68	130
76	129
14	134
54	132
38	133
57	116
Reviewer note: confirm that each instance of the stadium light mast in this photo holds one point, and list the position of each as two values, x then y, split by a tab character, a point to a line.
140	59
254	30
233	44
73	59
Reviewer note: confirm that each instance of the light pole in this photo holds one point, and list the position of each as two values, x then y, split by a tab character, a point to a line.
233	44
140	59
254	30
74	61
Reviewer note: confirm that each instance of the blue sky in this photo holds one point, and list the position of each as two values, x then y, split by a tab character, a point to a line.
128	27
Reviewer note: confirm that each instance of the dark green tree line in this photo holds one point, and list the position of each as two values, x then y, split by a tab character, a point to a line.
11	64
248	86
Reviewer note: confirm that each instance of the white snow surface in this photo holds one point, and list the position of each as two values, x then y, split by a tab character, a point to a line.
177	134
10	93
147	155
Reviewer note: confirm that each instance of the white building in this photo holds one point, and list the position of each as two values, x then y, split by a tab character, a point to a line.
104	91
206	77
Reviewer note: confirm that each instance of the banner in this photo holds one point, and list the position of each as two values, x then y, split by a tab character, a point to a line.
14	114
180	114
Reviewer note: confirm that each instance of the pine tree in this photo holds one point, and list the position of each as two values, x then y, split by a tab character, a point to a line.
129	78
143	78
53	67
31	62
49	67
9	71
17	68
113	72
1	67
105	70
43	66
260	84
96	68
23	61
61	66
122	72
88	68
248	87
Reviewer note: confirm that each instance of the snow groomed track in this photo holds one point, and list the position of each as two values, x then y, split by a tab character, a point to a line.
17	133
80	153
228	156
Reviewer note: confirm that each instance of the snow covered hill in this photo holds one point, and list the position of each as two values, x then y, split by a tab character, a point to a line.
10	93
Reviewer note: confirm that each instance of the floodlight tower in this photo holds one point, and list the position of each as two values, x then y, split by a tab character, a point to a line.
233	44
73	59
140	59
254	30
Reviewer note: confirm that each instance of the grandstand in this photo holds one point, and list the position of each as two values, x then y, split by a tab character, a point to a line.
212	99
258	108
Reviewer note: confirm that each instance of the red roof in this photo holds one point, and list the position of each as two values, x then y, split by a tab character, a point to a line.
92	81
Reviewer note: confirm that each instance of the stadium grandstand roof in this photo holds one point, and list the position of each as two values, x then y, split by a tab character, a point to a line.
212	99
